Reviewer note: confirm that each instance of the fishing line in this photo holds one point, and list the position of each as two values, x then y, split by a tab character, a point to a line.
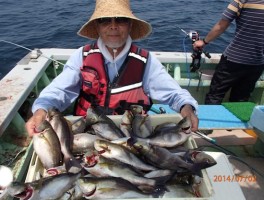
186	62
186	59
32	50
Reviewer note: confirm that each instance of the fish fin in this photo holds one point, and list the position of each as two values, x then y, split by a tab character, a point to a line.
72	165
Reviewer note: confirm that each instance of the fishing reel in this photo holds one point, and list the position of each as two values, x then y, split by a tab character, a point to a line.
196	54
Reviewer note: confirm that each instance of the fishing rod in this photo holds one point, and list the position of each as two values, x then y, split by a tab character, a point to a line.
196	55
37	52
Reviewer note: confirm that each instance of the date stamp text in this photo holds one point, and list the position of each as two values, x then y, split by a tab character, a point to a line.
234	178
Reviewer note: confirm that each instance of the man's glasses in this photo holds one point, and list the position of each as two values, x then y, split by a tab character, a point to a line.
118	20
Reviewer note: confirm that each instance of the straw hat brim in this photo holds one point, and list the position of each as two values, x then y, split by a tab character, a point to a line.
140	29
115	8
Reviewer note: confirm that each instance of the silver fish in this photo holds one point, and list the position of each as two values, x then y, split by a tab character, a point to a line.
109	188
47	146
164	159
102	124
53	187
4	195
78	126
199	158
65	135
141	126
169	135
160	175
82	142
183	125
126	123
120	153
104	167
124	142
107	131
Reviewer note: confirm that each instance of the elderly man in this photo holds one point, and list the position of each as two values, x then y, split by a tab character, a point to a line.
112	72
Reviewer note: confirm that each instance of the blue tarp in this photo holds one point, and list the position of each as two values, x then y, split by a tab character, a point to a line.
211	117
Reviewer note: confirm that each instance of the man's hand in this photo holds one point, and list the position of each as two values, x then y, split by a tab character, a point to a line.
187	111
38	117
198	45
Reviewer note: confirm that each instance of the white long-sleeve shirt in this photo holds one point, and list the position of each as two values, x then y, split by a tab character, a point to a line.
157	83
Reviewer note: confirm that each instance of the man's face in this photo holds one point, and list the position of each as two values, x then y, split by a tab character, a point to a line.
114	31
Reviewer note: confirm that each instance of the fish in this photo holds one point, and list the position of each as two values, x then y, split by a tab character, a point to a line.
47	145
164	159
103	167
82	142
141	126
103	125
122	154
53	187
160	175
192	182
183	125
4	195
169	135
78	126
199	158
136	109
54	171
65	135
109	188
108	131
124	142
141	123
126	123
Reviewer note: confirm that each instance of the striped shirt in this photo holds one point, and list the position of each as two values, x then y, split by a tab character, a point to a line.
247	46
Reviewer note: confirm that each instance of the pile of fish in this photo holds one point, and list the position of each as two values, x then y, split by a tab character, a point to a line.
93	158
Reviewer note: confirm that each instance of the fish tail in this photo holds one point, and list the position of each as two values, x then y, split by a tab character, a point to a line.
72	165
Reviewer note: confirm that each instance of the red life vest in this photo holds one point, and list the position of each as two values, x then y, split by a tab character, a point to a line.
115	97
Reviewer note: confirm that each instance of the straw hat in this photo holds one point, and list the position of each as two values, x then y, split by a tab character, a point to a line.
115	8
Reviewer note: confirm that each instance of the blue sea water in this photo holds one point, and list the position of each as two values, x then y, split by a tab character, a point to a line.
54	24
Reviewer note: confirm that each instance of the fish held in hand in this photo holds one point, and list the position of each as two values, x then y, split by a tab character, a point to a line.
65	135
47	146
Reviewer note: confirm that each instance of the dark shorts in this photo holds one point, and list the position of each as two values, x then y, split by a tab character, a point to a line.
240	78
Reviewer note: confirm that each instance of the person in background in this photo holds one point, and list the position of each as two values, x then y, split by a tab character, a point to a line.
112	72
242	62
